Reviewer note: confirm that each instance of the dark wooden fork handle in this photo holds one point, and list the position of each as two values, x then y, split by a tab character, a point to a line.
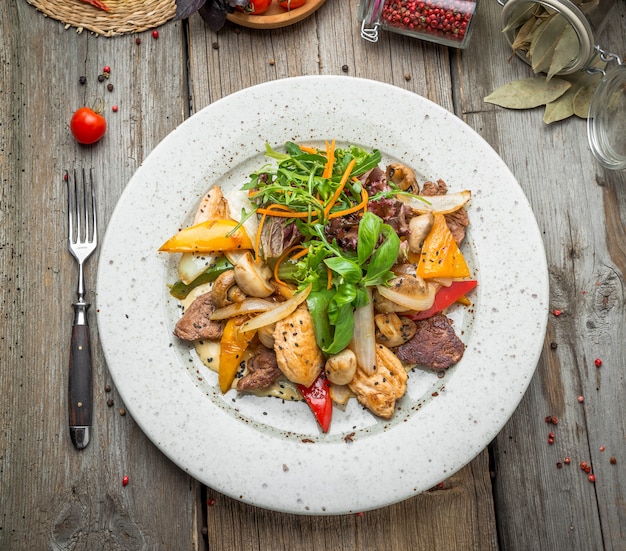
80	393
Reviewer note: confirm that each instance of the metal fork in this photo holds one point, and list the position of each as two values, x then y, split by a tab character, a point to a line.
82	242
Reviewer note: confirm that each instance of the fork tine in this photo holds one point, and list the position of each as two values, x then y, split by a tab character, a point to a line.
94	217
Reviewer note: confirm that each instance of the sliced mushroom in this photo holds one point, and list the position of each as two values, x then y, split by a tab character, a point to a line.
341	367
419	228
266	335
253	278
402	176
412	287
393	330
225	291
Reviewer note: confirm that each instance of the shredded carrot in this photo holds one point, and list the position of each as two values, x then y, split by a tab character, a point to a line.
307	149
281	259
342	183
279	211
361	205
300	254
330	278
330	160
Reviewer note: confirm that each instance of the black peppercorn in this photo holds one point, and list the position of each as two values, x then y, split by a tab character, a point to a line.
100	78
345	68
83	80
110	87
110	402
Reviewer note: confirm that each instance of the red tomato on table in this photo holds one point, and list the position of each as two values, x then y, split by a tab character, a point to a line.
87	126
291	4
256	7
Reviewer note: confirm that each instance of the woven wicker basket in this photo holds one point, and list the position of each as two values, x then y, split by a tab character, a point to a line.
124	16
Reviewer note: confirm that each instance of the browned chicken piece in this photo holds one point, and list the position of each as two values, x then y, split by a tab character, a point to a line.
213	205
379	392
393	330
196	324
297	353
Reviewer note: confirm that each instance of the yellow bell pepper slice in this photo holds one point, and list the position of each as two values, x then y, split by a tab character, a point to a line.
233	344
440	256
216	235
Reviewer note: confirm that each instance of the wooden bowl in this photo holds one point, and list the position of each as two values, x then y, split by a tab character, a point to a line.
275	17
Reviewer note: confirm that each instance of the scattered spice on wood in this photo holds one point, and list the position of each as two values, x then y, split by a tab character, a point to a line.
114	108
567	460
553	345
155	34
122	412
602	448
137	40
125	480
592	478
110	87
612	460
107	388
82	79
110	402
598	362
556	313
210	502
581	399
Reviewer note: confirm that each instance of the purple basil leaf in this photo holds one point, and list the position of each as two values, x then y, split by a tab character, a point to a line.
214	14
184	8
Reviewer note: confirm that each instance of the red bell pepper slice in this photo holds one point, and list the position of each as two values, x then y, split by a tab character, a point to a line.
445	297
318	398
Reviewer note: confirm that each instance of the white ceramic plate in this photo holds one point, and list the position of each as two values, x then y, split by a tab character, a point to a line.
269	453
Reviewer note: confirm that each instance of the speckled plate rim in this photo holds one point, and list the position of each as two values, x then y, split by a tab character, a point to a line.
282	471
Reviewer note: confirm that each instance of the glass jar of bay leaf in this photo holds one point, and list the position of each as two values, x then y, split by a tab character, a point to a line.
555	36
559	37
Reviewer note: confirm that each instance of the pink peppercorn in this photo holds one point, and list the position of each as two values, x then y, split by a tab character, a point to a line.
567	460
125	481
557	313
114	108
598	362
602	448
581	399
591	478
155	34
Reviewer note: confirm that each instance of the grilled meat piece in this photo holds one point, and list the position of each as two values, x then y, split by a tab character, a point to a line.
379	392
297	353
434	345
262	368
196	324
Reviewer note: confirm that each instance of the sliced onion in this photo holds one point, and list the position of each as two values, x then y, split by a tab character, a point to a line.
437	204
415	303
280	311
246	306
364	337
235	256
191	265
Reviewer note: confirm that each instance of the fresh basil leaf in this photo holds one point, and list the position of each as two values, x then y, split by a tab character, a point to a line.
383	259
349	271
180	290
369	231
318	302
343	330
344	295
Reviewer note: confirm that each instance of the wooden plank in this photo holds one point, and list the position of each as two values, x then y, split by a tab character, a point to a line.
329	43
581	210
54	497
423	523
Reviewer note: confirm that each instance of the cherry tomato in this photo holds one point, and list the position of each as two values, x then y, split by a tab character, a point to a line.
87	126
256	7
291	4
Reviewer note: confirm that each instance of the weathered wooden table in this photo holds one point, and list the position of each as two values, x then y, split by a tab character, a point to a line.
512	496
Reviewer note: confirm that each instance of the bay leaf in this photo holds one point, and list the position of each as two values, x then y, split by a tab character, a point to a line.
523	36
565	52
544	44
559	109
528	93
582	99
518	17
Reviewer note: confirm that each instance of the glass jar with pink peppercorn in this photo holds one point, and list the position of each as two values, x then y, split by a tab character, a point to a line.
447	22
